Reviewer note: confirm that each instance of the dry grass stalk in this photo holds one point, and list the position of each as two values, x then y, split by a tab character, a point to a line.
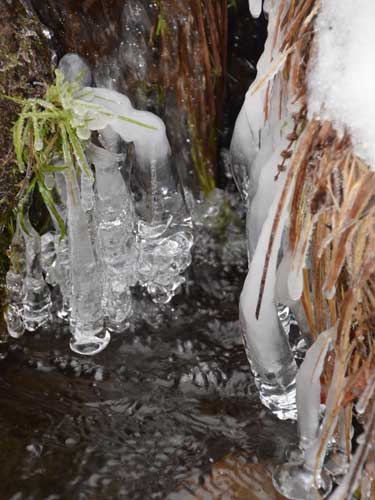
194	63
332	226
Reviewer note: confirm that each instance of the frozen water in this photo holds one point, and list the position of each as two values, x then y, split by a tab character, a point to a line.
116	236
36	298
267	346
48	257
87	319
257	143
308	401
14	282
75	69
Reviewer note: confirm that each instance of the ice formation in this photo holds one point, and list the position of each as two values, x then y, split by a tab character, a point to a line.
14	281
308	401
87	317
300	479
36	294
341	80
267	346
114	238
256	148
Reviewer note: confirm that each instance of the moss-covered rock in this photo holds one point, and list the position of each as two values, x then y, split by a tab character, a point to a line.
25	68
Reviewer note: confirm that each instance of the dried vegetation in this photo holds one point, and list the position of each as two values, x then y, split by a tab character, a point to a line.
332	221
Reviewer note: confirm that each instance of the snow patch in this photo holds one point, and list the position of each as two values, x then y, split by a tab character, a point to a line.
342	76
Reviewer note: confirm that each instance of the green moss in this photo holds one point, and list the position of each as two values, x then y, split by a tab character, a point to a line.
25	67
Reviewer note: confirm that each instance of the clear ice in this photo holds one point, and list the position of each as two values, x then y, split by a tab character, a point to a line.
164	228
119	230
256	149
116	236
14	282
36	297
87	319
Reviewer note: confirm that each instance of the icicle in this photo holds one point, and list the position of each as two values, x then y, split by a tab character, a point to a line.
242	153
116	235
255	7
301	341
300	480
308	401
87	319
14	282
58	271
316	453
267	347
48	257
37	298
338	462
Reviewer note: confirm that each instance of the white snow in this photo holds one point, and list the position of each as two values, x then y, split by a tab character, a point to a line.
342	71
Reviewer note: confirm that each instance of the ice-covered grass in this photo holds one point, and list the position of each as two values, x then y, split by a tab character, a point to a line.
342	73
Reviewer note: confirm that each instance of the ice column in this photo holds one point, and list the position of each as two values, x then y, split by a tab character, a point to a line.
260	136
57	266
300	480
266	344
116	236
87	319
14	281
48	256
37	297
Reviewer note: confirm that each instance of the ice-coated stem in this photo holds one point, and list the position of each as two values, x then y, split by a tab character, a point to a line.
338	462
116	236
87	319
37	297
308	401
266	345
301	480
60	269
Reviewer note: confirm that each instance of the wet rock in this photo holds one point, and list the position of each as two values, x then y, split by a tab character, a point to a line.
25	67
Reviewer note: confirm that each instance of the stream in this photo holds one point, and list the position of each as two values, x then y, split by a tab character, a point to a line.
168	411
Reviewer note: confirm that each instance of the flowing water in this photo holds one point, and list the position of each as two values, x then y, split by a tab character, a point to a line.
168	411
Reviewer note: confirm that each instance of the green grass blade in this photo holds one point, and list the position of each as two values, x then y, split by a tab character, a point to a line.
50	204
78	151
18	141
135	122
54	168
22	220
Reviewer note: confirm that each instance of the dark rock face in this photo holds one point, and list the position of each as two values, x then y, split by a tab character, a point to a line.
25	67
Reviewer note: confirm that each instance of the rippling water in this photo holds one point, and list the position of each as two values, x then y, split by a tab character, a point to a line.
167	411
